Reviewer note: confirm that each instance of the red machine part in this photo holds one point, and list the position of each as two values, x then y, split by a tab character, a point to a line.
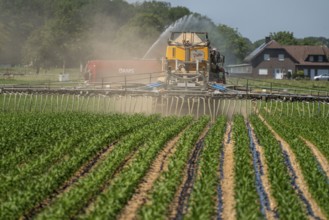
98	70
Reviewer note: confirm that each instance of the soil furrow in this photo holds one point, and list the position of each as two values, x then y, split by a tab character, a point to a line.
187	187
159	165
227	181
90	204
300	179
270	214
179	205
319	156
84	170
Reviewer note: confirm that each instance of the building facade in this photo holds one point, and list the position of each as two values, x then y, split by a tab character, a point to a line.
272	60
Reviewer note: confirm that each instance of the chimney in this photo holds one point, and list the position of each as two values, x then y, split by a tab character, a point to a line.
267	39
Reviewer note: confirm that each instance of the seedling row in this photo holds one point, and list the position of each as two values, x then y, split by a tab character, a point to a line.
64	165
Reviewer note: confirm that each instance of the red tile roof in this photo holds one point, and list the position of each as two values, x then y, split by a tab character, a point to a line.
299	53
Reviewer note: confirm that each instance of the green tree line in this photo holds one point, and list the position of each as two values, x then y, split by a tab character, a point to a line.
47	33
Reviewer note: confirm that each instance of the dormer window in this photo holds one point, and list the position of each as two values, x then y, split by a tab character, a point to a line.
311	59
320	59
281	57
266	56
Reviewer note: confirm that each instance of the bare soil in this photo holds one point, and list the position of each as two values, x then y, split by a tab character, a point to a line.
265	178
300	179
87	167
319	156
90	204
175	204
228	180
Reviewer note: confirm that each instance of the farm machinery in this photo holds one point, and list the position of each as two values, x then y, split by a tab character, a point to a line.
191	63
190	79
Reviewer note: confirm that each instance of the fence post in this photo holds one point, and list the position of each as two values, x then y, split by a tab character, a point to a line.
247	86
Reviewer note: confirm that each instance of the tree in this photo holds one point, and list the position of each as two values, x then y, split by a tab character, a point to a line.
177	13
234	46
4	35
51	33
20	19
315	41
59	39
134	38
284	38
39	49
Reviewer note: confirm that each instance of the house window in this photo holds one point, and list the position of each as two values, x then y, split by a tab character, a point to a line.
320	59
262	72
266	56
305	72
281	57
277	70
311	58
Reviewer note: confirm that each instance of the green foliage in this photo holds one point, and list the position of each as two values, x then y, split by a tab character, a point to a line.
202	203
288	203
287	38
123	186
40	152
43	163
55	33
88	187
165	187
233	45
48	33
299	74
284	38
247	200
316	41
316	179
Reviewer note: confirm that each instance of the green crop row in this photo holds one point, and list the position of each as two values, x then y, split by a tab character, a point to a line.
24	196
307	119
288	204
165	187
25	135
72	201
313	129
123	186
73	130
316	179
247	200
67	148
203	197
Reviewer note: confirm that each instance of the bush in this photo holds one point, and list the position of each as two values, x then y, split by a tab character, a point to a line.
298	74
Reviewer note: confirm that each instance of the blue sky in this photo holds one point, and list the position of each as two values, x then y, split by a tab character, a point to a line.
256	19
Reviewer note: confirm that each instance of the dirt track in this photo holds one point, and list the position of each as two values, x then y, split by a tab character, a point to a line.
140	197
180	202
319	156
228	178
265	178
